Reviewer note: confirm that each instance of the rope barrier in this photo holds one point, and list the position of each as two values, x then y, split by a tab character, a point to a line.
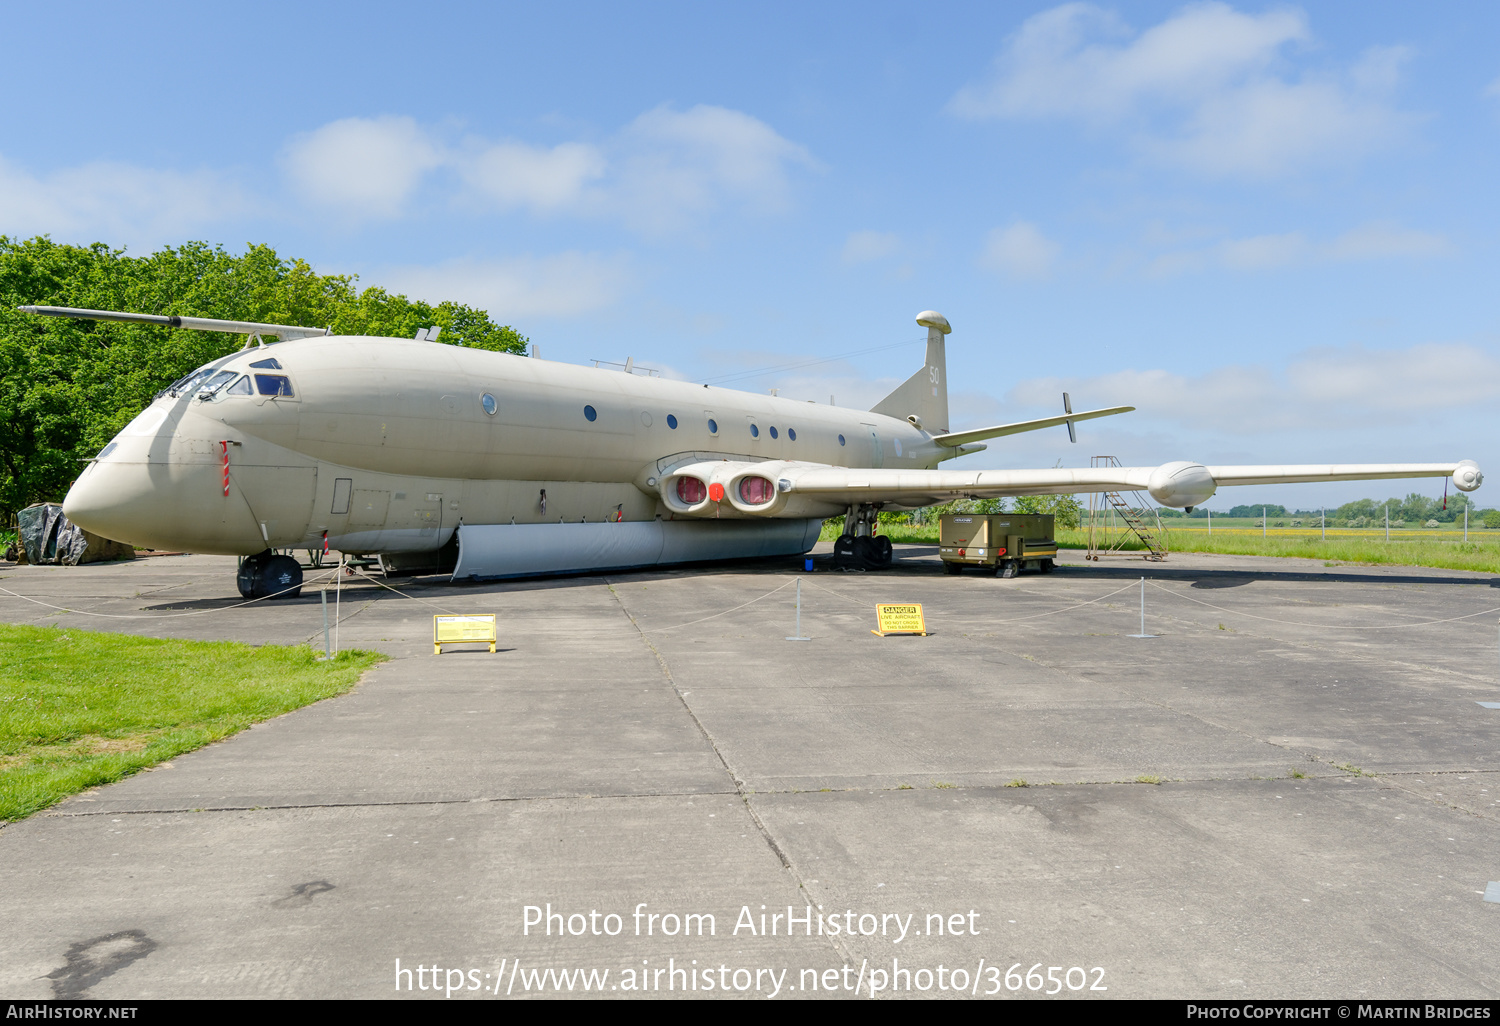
1014	619
158	616
398	591
742	605
1324	626
337	574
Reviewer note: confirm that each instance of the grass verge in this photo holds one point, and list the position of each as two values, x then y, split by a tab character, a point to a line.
1347	547
82	708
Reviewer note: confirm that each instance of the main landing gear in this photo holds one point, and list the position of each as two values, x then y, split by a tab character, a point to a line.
859	547
269	576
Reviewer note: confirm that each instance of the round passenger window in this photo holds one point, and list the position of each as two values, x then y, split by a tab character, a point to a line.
841	439
590	414
672	421
713	426
791	433
489	404
754	431
773	431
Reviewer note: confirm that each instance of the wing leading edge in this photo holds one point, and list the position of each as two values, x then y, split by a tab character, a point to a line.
1178	484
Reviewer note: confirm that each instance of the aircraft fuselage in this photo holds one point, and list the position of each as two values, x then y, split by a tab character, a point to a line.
387	444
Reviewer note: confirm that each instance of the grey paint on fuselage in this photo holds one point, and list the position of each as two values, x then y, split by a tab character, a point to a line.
396	429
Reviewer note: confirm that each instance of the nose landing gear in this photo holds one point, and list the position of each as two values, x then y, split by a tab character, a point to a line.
269	576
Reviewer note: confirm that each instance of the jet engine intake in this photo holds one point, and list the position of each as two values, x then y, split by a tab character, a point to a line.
739	490
1181	484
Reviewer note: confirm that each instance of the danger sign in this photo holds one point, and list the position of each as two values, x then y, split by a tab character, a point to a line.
899	619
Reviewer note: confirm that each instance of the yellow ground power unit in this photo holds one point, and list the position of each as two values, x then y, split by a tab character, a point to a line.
1006	543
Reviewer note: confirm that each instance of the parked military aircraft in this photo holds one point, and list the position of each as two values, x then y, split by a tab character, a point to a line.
488	465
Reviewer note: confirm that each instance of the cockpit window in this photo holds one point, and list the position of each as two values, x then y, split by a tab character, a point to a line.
216	382
240	387
267	364
273	384
186	385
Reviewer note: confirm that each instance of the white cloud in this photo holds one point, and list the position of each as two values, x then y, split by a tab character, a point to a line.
361	167
1325	388
660	173
1381	239
863	247
1376	240
676	165
561	285
1020	251
119	203
1205	89
514	174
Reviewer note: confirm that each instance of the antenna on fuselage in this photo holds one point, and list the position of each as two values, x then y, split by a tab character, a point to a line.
281	332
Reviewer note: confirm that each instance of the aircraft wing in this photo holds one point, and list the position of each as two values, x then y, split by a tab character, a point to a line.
1172	484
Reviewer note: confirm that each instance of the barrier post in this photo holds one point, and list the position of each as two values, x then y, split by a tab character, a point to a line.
1143	633
799	636
327	651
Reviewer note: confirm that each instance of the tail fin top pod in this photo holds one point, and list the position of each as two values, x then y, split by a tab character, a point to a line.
923	397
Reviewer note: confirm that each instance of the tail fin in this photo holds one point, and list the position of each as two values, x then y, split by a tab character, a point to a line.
924	395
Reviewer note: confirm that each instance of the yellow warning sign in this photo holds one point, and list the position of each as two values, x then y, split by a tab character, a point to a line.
903	619
459	630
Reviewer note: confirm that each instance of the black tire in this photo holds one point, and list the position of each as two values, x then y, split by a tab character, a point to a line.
267	576
885	554
864	551
953	568
248	573
1048	566
843	550
1008	568
281	578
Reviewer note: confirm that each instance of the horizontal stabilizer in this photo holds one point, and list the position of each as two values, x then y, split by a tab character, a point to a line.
960	437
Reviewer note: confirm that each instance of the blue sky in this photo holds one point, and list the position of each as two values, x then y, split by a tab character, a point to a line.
1272	228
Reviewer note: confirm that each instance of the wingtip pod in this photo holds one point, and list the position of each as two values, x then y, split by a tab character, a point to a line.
1182	484
1468	476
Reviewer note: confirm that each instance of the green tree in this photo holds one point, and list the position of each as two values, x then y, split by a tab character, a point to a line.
67	387
1066	508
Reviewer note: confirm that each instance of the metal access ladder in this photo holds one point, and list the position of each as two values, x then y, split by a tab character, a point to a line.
1116	519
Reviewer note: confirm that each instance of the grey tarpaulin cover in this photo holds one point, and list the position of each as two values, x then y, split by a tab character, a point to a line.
49	537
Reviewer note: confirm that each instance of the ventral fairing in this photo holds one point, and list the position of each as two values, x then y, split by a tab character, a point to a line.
490	465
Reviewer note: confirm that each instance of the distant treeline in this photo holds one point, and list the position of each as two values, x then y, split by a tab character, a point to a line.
67	387
1414	509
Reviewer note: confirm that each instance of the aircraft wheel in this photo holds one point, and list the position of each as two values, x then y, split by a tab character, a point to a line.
844	550
953	568
269	576
281	578
249	572
885	554
865	552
